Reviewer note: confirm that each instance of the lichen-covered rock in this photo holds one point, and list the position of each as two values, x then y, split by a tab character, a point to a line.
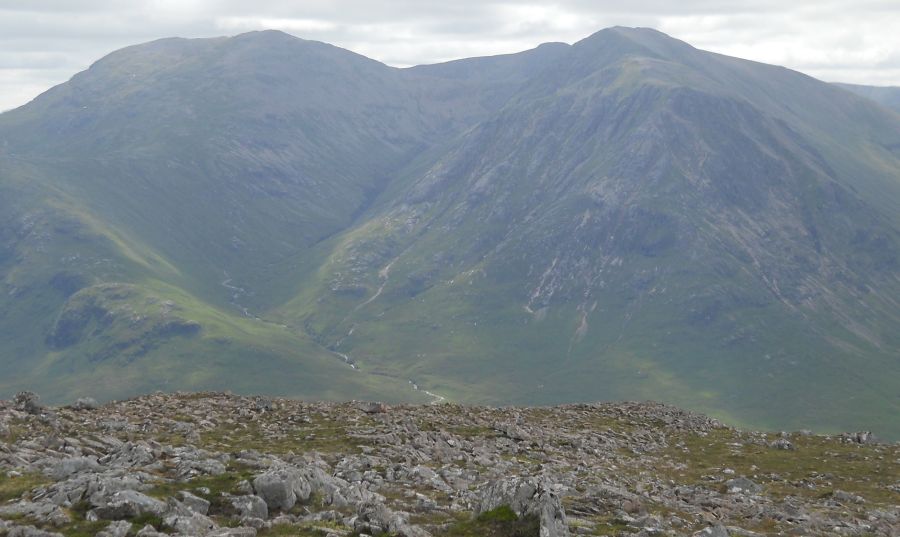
40	511
250	507
129	504
193	502
28	402
713	531
85	403
28	531
117	528
281	488
528	496
193	525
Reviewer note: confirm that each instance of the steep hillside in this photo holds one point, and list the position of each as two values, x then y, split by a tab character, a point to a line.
657	222
888	96
180	171
626	217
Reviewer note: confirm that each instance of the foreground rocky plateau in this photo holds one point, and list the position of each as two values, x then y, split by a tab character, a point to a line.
213	464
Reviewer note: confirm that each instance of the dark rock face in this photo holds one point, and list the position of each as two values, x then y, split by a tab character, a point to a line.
227	466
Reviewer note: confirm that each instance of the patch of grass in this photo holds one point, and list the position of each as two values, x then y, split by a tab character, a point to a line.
322	434
216	484
815	469
12	488
500	522
609	525
83	528
290	530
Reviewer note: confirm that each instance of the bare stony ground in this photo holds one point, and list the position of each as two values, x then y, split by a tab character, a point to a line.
216	464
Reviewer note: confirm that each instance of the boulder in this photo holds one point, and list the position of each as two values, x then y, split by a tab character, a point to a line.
376	518
73	465
85	403
281	488
528	496
713	531
129	504
743	485
862	437
782	443
250	507
149	531
195	524
43	512
194	503
118	528
29	531
374	408
28	402
234	532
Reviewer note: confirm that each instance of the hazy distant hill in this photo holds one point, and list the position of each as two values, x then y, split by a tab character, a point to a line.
625	217
888	96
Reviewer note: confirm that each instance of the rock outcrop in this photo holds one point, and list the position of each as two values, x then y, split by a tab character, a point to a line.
225	466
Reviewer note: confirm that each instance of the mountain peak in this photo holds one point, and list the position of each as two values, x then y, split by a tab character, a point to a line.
627	217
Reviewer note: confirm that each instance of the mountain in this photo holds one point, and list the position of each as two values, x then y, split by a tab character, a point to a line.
888	96
626	217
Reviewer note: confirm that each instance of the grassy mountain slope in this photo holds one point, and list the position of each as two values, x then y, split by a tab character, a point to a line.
888	96
659	222
184	187
626	217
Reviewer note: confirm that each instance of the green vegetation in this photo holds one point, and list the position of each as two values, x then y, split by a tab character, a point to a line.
288	530
500	522
625	218
15	487
816	468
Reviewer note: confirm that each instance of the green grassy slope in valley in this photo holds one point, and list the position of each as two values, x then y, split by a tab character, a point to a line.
623	218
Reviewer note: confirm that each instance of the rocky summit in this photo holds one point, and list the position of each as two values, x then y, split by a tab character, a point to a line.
214	464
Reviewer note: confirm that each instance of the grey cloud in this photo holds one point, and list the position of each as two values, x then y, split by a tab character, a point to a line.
47	41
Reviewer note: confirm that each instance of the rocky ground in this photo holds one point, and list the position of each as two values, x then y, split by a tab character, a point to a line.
222	465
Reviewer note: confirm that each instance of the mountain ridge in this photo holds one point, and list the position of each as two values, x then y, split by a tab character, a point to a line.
627	215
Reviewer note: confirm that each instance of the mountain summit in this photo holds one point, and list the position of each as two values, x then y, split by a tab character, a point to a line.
626	217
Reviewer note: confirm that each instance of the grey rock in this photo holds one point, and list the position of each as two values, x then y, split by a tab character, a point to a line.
846	497
118	528
528	496
194	503
194	525
73	465
713	531
234	532
250	507
743	485
43	511
29	402
374	408
863	437
149	531
129	504
282	488
782	443
256	523
376	518
29	531
85	403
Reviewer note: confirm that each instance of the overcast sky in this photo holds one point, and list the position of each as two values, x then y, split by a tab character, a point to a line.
45	42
